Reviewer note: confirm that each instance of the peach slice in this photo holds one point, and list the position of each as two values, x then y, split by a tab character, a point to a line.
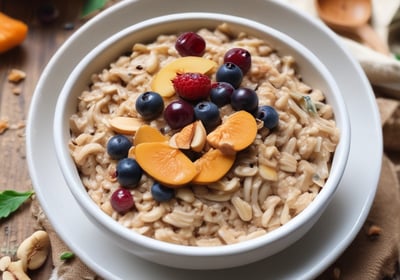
147	133
183	138
165	164
161	82
236	133
212	166
131	152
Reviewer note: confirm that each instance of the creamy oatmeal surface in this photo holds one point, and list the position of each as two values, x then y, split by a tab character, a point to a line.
271	181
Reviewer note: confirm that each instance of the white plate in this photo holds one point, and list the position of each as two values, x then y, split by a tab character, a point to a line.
307	258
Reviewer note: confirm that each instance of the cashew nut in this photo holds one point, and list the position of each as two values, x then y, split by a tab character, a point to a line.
15	271
4	263
33	251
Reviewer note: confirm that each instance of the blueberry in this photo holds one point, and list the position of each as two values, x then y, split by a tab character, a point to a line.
268	115
161	193
208	113
245	99
230	73
128	172
118	146
220	93
149	105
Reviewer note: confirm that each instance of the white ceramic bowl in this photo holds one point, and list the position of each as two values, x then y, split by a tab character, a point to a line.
313	72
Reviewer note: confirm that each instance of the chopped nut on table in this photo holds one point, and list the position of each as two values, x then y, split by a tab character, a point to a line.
374	231
31	254
3	125
16	75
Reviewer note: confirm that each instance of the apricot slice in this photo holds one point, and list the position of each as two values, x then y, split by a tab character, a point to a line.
147	133
236	133
125	125
212	166
162	81
165	164
131	152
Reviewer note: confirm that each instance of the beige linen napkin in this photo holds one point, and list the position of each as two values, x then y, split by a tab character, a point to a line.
380	69
374	254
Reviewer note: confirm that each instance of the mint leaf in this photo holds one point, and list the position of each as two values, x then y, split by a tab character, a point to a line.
92	5
11	200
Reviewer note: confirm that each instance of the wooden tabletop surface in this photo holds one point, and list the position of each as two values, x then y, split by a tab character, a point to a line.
31	57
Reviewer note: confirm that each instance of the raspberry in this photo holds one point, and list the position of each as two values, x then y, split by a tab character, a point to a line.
192	86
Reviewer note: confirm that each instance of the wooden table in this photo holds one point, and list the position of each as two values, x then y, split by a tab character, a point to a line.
42	42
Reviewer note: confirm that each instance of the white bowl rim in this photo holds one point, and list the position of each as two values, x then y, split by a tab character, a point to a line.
79	192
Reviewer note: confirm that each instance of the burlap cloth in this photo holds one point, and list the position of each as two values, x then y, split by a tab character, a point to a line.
374	254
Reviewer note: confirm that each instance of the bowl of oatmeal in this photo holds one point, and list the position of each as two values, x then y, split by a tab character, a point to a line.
201	140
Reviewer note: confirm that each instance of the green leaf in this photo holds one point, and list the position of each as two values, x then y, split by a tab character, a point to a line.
11	200
92	5
397	56
66	256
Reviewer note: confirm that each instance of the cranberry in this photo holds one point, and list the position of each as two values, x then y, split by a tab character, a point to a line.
122	200
190	44
239	56
178	114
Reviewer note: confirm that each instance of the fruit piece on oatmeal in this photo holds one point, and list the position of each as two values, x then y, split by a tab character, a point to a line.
162	84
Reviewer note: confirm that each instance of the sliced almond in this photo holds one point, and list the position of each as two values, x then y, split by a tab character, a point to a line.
268	173
125	125
227	186
243	208
199	137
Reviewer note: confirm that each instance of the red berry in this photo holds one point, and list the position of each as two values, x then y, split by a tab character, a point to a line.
122	200
239	56
192	86
190	44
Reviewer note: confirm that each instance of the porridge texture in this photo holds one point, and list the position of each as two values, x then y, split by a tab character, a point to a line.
262	186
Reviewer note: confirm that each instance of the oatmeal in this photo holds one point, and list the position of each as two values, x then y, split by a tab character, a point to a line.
230	172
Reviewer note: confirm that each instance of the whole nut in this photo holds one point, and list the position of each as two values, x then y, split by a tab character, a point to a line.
34	250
